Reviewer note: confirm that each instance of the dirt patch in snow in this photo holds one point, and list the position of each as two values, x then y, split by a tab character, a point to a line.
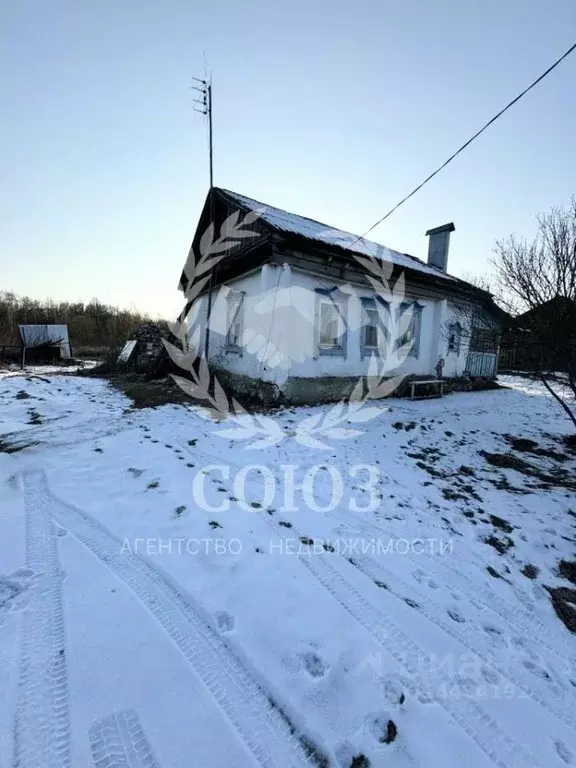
530	571
548	478
564	603
149	393
500	545
567	570
527	445
501	524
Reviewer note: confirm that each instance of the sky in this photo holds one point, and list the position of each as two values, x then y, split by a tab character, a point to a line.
330	109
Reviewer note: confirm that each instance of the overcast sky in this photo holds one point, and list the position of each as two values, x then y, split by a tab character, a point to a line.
330	109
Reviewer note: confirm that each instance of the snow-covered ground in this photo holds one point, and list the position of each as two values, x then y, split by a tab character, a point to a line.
157	608
44	370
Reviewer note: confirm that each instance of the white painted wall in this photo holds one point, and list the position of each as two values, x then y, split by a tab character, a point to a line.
264	352
311	363
280	330
455	364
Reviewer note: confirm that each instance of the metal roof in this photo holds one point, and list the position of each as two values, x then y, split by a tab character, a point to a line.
40	335
284	221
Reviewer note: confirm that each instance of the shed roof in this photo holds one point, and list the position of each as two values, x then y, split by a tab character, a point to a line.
39	335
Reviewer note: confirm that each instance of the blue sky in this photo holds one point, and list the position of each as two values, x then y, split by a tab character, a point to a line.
333	110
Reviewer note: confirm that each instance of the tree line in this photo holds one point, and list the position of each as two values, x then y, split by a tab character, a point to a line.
93	327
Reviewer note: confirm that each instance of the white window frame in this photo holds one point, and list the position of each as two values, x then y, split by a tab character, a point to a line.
380	307
370	323
415	328
234	315
336	301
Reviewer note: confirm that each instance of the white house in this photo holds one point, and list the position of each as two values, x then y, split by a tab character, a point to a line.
299	311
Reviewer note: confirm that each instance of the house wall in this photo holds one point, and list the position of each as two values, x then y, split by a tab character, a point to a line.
279	336
310	363
454	362
265	350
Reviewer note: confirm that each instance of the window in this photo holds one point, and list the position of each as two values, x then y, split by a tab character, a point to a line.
234	319
410	321
331	326
454	337
373	330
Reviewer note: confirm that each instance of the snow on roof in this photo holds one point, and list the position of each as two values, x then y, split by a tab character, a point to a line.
322	233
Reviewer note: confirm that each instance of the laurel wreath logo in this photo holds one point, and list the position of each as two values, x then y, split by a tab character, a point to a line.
263	431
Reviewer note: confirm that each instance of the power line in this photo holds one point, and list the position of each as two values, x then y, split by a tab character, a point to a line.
463	147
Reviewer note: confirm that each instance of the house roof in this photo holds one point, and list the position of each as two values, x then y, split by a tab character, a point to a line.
291	223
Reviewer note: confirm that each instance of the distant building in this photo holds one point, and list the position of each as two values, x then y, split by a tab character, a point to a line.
44	343
543	338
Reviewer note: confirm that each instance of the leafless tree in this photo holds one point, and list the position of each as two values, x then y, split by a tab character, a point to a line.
537	281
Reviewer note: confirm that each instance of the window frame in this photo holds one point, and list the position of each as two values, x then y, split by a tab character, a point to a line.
337	300
415	326
373	304
234	312
456	329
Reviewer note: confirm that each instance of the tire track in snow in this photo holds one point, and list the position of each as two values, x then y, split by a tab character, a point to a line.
525	623
263	727
118	741
42	724
497	744
546	694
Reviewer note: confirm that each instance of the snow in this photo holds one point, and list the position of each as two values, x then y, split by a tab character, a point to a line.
154	635
43	370
314	230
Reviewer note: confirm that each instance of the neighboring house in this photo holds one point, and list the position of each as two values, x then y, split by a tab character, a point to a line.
295	316
541	339
44	343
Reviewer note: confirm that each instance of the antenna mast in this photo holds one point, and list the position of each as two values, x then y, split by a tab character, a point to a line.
204	87
204	101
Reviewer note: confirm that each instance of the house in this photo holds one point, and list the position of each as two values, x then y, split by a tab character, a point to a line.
542	338
44	343
298	311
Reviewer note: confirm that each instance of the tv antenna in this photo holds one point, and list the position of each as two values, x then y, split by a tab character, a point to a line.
204	101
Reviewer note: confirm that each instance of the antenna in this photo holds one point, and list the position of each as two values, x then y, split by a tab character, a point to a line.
204	101
204	87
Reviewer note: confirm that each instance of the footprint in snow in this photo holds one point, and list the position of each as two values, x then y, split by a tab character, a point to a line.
422	578
377	725
456	616
536	669
313	664
225	622
490	676
14	589
393	690
563	752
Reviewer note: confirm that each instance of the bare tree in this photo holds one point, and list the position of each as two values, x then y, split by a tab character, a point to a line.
537	282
